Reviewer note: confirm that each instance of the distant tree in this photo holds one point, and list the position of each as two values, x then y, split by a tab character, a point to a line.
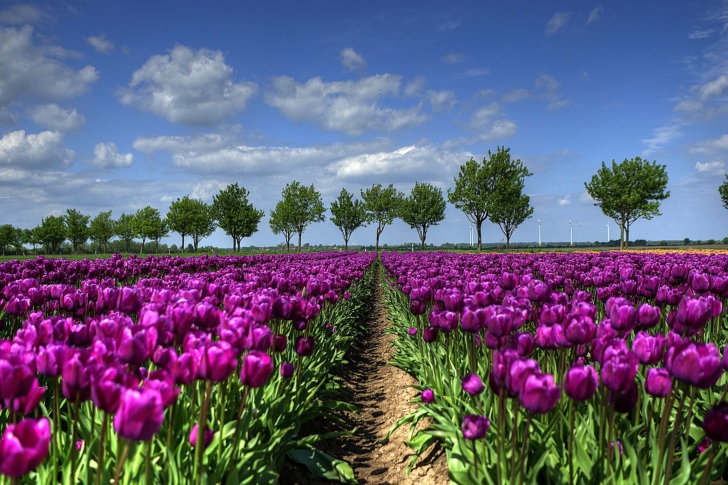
180	217
146	224
725	240
30	236
101	229
8	236
124	229
381	206
629	191
52	233
76	228
686	241
159	230
479	188
203	222
723	191
509	205
299	207
348	215
424	207
234	214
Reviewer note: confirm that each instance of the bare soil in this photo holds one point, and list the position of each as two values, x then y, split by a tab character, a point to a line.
383	394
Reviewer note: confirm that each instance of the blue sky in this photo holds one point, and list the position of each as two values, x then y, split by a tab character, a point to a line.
119	105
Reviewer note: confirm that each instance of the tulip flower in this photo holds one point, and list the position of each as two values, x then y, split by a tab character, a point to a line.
287	370
475	427
472	384
256	368
715	422
539	393
305	346
24	446
428	396
207	438
140	414
695	363
581	382
658	382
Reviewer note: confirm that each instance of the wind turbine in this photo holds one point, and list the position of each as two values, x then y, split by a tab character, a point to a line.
571	230
608	238
539	231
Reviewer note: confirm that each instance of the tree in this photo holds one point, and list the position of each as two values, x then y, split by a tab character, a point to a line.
234	214
299	207
203	221
723	191
52	233
30	236
101	229
124	229
157	232
348	215
76	228
629	191
146	224
8	236
381	206
424	207
180	217
478	184
509	205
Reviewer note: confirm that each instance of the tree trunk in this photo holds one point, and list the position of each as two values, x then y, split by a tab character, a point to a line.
299	240
141	251
621	237
376	247
626	237
508	243
183	243
480	241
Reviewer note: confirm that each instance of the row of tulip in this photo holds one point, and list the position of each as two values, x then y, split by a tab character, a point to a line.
566	368
193	371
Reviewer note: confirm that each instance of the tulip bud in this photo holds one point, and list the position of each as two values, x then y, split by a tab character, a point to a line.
287	370
24	446
207	437
475	427
539	393
658	382
472	384
715	422
256	368
428	396
580	382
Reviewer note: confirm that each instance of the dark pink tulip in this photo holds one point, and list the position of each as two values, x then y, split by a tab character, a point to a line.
287	370
16	380
472	384
26	404
429	334
305	346
539	394
499	320
522	342
412	331
475	427
648	316
545	337
695	363
694	312
207	315
579	329
75	382
256	368
581	382
106	389
217	362
280	342
658	382
24	446
136	344
715	422
699	282
619	367
184	368
622	314
130	300
519	370
428	396
472	320
649	349
163	382
140	414
207	438
417	307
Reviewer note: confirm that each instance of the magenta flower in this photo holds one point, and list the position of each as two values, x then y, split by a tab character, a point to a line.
217	362
658	382
518	372
24	446
694	312
622	314
304	346
539	393
428	396
16	380
648	316
475	427
207	436
695	363
715	422
619	367
649	349
256	368
472	384
140	414
287	370
581	382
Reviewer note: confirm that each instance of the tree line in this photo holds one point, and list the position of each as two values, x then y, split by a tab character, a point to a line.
489	190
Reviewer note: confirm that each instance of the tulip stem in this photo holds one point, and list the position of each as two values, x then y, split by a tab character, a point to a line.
200	447
514	434
74	435
120	464
148	478
571	443
100	459
475	458
524	448
706	472
673	436
689	419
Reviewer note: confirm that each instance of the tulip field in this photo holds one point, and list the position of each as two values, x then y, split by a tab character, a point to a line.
547	368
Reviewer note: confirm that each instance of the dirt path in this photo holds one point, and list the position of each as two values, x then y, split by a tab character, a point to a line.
382	392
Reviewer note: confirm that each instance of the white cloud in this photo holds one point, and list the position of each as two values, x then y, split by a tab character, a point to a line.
557	22
488	123
20	14
100	43
351	107
595	15
426	161
58	119
351	60
707	99
711	169
106	155
711	146
449	25
453	58
550	91
206	189
188	87
441	100
34	151
477	72
566	200
34	71
660	137
700	34
515	95
586	198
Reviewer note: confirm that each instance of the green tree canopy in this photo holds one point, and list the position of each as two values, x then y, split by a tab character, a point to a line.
8	237
629	191
180	217
299	207
52	233
509	205
425	207
30	236
381	206
146	224
478	184
124	229
348	215
723	191
76	228
101	229
234	214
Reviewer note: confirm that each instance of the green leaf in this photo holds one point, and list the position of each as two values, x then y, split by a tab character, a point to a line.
323	465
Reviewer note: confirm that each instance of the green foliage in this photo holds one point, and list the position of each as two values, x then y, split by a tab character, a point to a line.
124	229
147	224
101	229
299	207
191	217
424	207
348	215
723	191
629	191
8	236
483	189
76	228
382	206
51	233
235	214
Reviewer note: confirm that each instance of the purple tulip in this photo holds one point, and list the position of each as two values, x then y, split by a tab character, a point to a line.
305	346
26	404
648	316
619	367
539	393
649	349
412	331
280	342
658	382
475	427
518	372
694	312
695	363
140	414
24	446
287	370
581	382
207	437
163	382
428	396
622	314
715	422
429	334
472	384
217	362
624	401
579	329
16	380
256	368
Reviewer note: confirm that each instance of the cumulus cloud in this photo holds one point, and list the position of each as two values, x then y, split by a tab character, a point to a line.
557	22
488	123
550	91
706	99
711	169
660	137
515	95
585	198
453	58
58	119
31	71
206	189
711	146
595	15
566	200
351	60
100	43
44	150
351	107
106	155
20	14
700	34
441	100
190	87
425	161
